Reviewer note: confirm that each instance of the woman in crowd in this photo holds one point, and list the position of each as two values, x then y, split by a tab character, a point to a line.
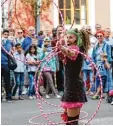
102	57
49	70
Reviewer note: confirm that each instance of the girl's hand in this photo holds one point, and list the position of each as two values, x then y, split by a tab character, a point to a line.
30	62
58	44
37	62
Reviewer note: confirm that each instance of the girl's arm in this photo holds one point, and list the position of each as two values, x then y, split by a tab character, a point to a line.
69	52
28	59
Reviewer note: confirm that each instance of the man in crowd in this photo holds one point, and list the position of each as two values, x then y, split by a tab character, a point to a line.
28	40
98	27
20	36
5	71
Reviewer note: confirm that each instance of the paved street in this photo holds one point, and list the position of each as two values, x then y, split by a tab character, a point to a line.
19	112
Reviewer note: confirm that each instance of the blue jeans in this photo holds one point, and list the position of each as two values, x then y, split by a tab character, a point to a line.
19	78
31	90
89	73
104	79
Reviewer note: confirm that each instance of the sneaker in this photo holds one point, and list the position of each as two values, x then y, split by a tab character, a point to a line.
4	99
112	103
58	96
21	98
30	97
9	101
47	96
34	97
14	98
61	93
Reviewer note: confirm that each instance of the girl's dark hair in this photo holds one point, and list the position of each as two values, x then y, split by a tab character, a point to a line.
59	27
18	44
5	30
84	38
32	46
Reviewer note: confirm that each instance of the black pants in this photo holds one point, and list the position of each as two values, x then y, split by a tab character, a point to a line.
112	70
60	77
5	74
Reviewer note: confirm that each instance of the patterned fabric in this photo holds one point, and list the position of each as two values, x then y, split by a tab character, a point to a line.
71	104
51	65
73	84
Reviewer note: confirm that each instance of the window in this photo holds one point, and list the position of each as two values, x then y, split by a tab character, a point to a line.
67	10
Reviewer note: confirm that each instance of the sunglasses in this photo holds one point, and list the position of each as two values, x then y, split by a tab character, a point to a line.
99	36
20	32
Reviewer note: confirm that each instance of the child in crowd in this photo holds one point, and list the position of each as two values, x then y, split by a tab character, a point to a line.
87	71
49	69
19	71
32	60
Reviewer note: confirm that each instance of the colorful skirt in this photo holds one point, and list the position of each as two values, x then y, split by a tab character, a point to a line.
71	105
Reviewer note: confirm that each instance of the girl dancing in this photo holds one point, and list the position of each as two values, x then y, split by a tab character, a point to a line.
74	94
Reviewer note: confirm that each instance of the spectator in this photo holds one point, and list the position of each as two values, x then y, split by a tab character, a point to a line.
40	39
93	39
101	56
20	36
49	70
32	60
60	71
98	27
5	71
12	37
109	41
19	72
28	40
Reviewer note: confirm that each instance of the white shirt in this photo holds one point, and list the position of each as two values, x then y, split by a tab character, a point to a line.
31	68
20	65
93	41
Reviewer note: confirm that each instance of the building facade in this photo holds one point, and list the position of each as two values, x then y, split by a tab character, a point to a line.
86	12
76	12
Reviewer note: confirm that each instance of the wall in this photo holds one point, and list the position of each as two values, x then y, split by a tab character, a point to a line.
102	13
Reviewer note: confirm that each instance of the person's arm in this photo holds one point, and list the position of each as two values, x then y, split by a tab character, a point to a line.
71	53
28	60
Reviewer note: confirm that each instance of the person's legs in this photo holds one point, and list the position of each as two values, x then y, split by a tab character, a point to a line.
49	80
17	79
85	76
99	86
73	115
31	84
21	84
92	84
5	73
60	78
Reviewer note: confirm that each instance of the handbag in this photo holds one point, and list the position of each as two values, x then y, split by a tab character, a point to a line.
11	63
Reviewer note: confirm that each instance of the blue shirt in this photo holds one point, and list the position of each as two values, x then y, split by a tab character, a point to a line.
86	62
109	41
26	43
97	58
7	45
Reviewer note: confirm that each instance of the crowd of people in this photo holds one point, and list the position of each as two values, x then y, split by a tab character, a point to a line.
28	50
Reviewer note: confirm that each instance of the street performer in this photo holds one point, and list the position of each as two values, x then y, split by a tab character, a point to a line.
74	94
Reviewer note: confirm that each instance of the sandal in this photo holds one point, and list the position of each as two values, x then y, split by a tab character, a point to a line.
91	93
95	97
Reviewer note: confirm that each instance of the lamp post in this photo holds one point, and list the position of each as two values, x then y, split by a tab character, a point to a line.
38	10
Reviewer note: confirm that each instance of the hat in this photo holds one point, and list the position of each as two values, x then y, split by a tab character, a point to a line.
47	39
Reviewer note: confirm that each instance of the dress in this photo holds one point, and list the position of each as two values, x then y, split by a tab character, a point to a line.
74	93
